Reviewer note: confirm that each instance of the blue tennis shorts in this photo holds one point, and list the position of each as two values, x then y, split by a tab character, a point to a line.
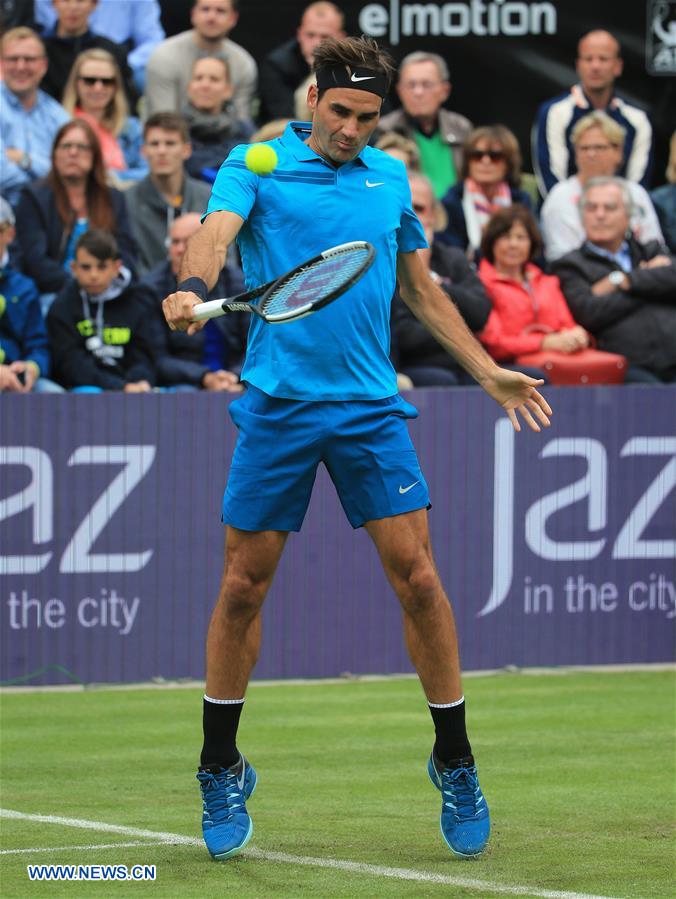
365	446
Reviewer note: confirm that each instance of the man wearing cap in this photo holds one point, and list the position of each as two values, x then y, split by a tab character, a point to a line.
323	390
24	351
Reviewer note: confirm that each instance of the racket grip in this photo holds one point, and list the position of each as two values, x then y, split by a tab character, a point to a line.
210	309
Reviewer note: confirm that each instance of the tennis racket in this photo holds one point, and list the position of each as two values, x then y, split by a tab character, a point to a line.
303	290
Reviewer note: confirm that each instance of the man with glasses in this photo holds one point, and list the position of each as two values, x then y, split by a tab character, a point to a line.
423	88
599	64
620	290
598	142
30	118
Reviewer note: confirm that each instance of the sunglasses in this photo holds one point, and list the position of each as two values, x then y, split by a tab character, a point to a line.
419	207
91	80
493	155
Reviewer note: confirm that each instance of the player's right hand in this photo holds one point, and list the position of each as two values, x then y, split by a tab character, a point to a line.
177	309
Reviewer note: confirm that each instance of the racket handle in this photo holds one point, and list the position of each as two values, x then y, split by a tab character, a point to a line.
210	309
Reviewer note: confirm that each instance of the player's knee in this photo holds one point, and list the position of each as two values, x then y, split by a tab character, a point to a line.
243	595
418	587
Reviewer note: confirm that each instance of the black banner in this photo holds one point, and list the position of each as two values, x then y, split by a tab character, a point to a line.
505	56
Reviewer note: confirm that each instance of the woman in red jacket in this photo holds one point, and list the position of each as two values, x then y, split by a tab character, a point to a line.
529	311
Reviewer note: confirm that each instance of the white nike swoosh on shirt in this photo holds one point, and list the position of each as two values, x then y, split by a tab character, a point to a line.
356	77
410	487
374	183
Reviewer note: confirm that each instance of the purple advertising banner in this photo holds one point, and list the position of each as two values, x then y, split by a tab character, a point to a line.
556	549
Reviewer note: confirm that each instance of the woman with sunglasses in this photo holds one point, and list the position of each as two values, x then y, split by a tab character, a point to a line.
56	210
94	92
489	180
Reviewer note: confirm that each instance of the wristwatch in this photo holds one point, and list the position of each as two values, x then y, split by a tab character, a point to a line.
616	278
25	162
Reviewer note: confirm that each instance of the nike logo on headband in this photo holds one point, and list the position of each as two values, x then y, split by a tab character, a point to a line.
356	77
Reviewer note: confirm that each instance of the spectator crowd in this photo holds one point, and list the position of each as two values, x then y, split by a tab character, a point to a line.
111	133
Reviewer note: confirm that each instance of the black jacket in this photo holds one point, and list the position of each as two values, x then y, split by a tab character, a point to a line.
62	52
42	241
126	335
282	71
412	343
639	323
179	357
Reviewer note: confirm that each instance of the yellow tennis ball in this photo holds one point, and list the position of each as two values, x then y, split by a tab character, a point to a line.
261	159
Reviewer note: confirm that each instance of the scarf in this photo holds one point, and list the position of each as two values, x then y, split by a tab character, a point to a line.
211	128
478	208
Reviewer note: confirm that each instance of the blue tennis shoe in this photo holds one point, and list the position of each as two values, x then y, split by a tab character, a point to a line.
465	822
226	824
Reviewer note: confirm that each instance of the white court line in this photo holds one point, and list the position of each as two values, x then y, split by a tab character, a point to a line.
76	848
484	886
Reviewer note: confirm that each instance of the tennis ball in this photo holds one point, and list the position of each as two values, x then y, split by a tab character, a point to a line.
261	159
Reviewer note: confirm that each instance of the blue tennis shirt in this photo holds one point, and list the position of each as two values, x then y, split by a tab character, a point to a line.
306	206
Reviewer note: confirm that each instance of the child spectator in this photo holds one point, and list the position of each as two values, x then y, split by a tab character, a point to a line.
24	351
100	325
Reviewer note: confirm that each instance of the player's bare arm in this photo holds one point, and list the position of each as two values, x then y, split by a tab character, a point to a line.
515	392
204	258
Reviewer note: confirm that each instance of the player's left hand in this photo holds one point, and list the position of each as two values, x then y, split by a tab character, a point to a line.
516	392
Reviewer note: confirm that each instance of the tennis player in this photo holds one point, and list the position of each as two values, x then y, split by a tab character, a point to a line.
322	390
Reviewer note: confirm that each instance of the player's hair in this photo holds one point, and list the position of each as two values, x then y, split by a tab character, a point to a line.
598	119
495	134
98	243
355	52
167	121
426	56
21	33
117	110
501	222
603	181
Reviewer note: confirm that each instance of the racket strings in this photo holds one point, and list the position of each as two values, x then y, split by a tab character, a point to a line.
316	281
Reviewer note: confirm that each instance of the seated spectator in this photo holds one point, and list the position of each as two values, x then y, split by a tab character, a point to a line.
489	180
68	37
167	191
135	24
598	141
599	65
55	211
24	349
622	291
212	119
529	310
170	64
416	352
664	199
402	148
100	325
423	87
30	117
94	92
288	66
179	356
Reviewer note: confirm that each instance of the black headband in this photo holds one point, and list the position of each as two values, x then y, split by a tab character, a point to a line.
358	78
